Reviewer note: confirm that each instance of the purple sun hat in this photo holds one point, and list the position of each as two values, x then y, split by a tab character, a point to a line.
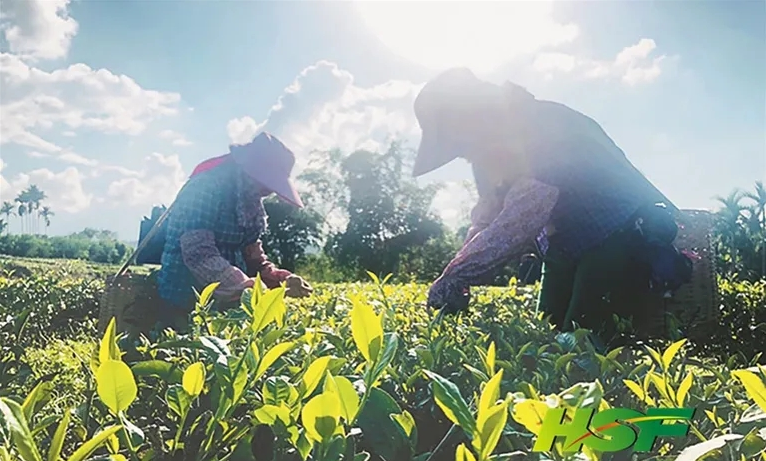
269	162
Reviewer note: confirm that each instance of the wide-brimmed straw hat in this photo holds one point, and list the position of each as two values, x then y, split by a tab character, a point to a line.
269	162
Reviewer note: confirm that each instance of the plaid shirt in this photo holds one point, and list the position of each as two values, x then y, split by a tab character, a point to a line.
599	189
214	201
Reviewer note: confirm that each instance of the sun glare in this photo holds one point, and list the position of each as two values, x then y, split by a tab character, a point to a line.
480	35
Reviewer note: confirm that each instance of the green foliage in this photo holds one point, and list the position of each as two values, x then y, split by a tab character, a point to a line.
90	245
357	371
291	233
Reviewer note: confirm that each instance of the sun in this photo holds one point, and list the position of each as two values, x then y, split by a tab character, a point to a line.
477	34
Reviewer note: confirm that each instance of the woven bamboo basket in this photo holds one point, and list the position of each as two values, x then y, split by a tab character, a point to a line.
694	306
133	300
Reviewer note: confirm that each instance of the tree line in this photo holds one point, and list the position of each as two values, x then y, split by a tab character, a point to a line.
364	212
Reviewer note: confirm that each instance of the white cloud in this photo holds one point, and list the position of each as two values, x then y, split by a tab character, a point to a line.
76	97
633	65
241	130
324	109
158	182
38	29
64	189
176	138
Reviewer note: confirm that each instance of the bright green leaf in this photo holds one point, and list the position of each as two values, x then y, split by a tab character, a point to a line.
491	392
93	444
683	388
57	442
448	397
314	374
194	379
754	387
207	293
320	416
272	356
116	385
367	330
108	349
671	352
530	414
347	396
14	419
490	427
464	454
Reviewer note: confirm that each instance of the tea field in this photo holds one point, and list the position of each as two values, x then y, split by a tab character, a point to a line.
358	371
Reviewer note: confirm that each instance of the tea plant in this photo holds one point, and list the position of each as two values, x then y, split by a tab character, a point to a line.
361	372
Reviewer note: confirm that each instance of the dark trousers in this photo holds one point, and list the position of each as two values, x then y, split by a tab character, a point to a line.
603	282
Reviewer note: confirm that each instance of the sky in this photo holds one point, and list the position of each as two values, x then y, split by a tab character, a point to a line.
108	105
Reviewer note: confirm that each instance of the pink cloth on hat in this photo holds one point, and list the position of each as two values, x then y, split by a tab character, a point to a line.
209	164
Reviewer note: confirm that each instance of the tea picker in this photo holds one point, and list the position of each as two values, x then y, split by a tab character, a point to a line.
610	242
210	233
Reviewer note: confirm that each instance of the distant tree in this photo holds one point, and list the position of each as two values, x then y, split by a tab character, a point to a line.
46	213
387	213
740	233
291	232
8	209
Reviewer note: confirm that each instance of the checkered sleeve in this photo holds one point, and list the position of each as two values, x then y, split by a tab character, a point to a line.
488	207
208	266
195	218
526	211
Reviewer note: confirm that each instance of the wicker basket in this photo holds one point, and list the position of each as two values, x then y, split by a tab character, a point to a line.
695	305
133	300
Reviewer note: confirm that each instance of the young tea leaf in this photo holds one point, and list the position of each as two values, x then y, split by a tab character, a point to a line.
93	444
207	293
194	379
490	427
464	454
367	330
57	442
347	396
272	356
491	392
116	385
754	387
108	349
314	374
684	388
530	414
671	352
320	416
448	397
14	420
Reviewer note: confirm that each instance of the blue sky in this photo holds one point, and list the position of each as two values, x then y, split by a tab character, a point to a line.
108	105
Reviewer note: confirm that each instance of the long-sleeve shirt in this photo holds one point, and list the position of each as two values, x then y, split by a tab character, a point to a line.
572	188
213	235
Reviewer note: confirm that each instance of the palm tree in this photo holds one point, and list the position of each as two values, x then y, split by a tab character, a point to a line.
7	209
46	214
759	197
3	225
729	225
35	197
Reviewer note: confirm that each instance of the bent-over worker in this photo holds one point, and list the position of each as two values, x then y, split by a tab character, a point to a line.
548	176
215	226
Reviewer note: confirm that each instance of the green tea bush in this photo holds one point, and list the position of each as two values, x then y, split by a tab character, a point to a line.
59	307
365	372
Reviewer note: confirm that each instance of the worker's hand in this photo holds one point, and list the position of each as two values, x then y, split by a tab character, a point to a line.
449	294
297	287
